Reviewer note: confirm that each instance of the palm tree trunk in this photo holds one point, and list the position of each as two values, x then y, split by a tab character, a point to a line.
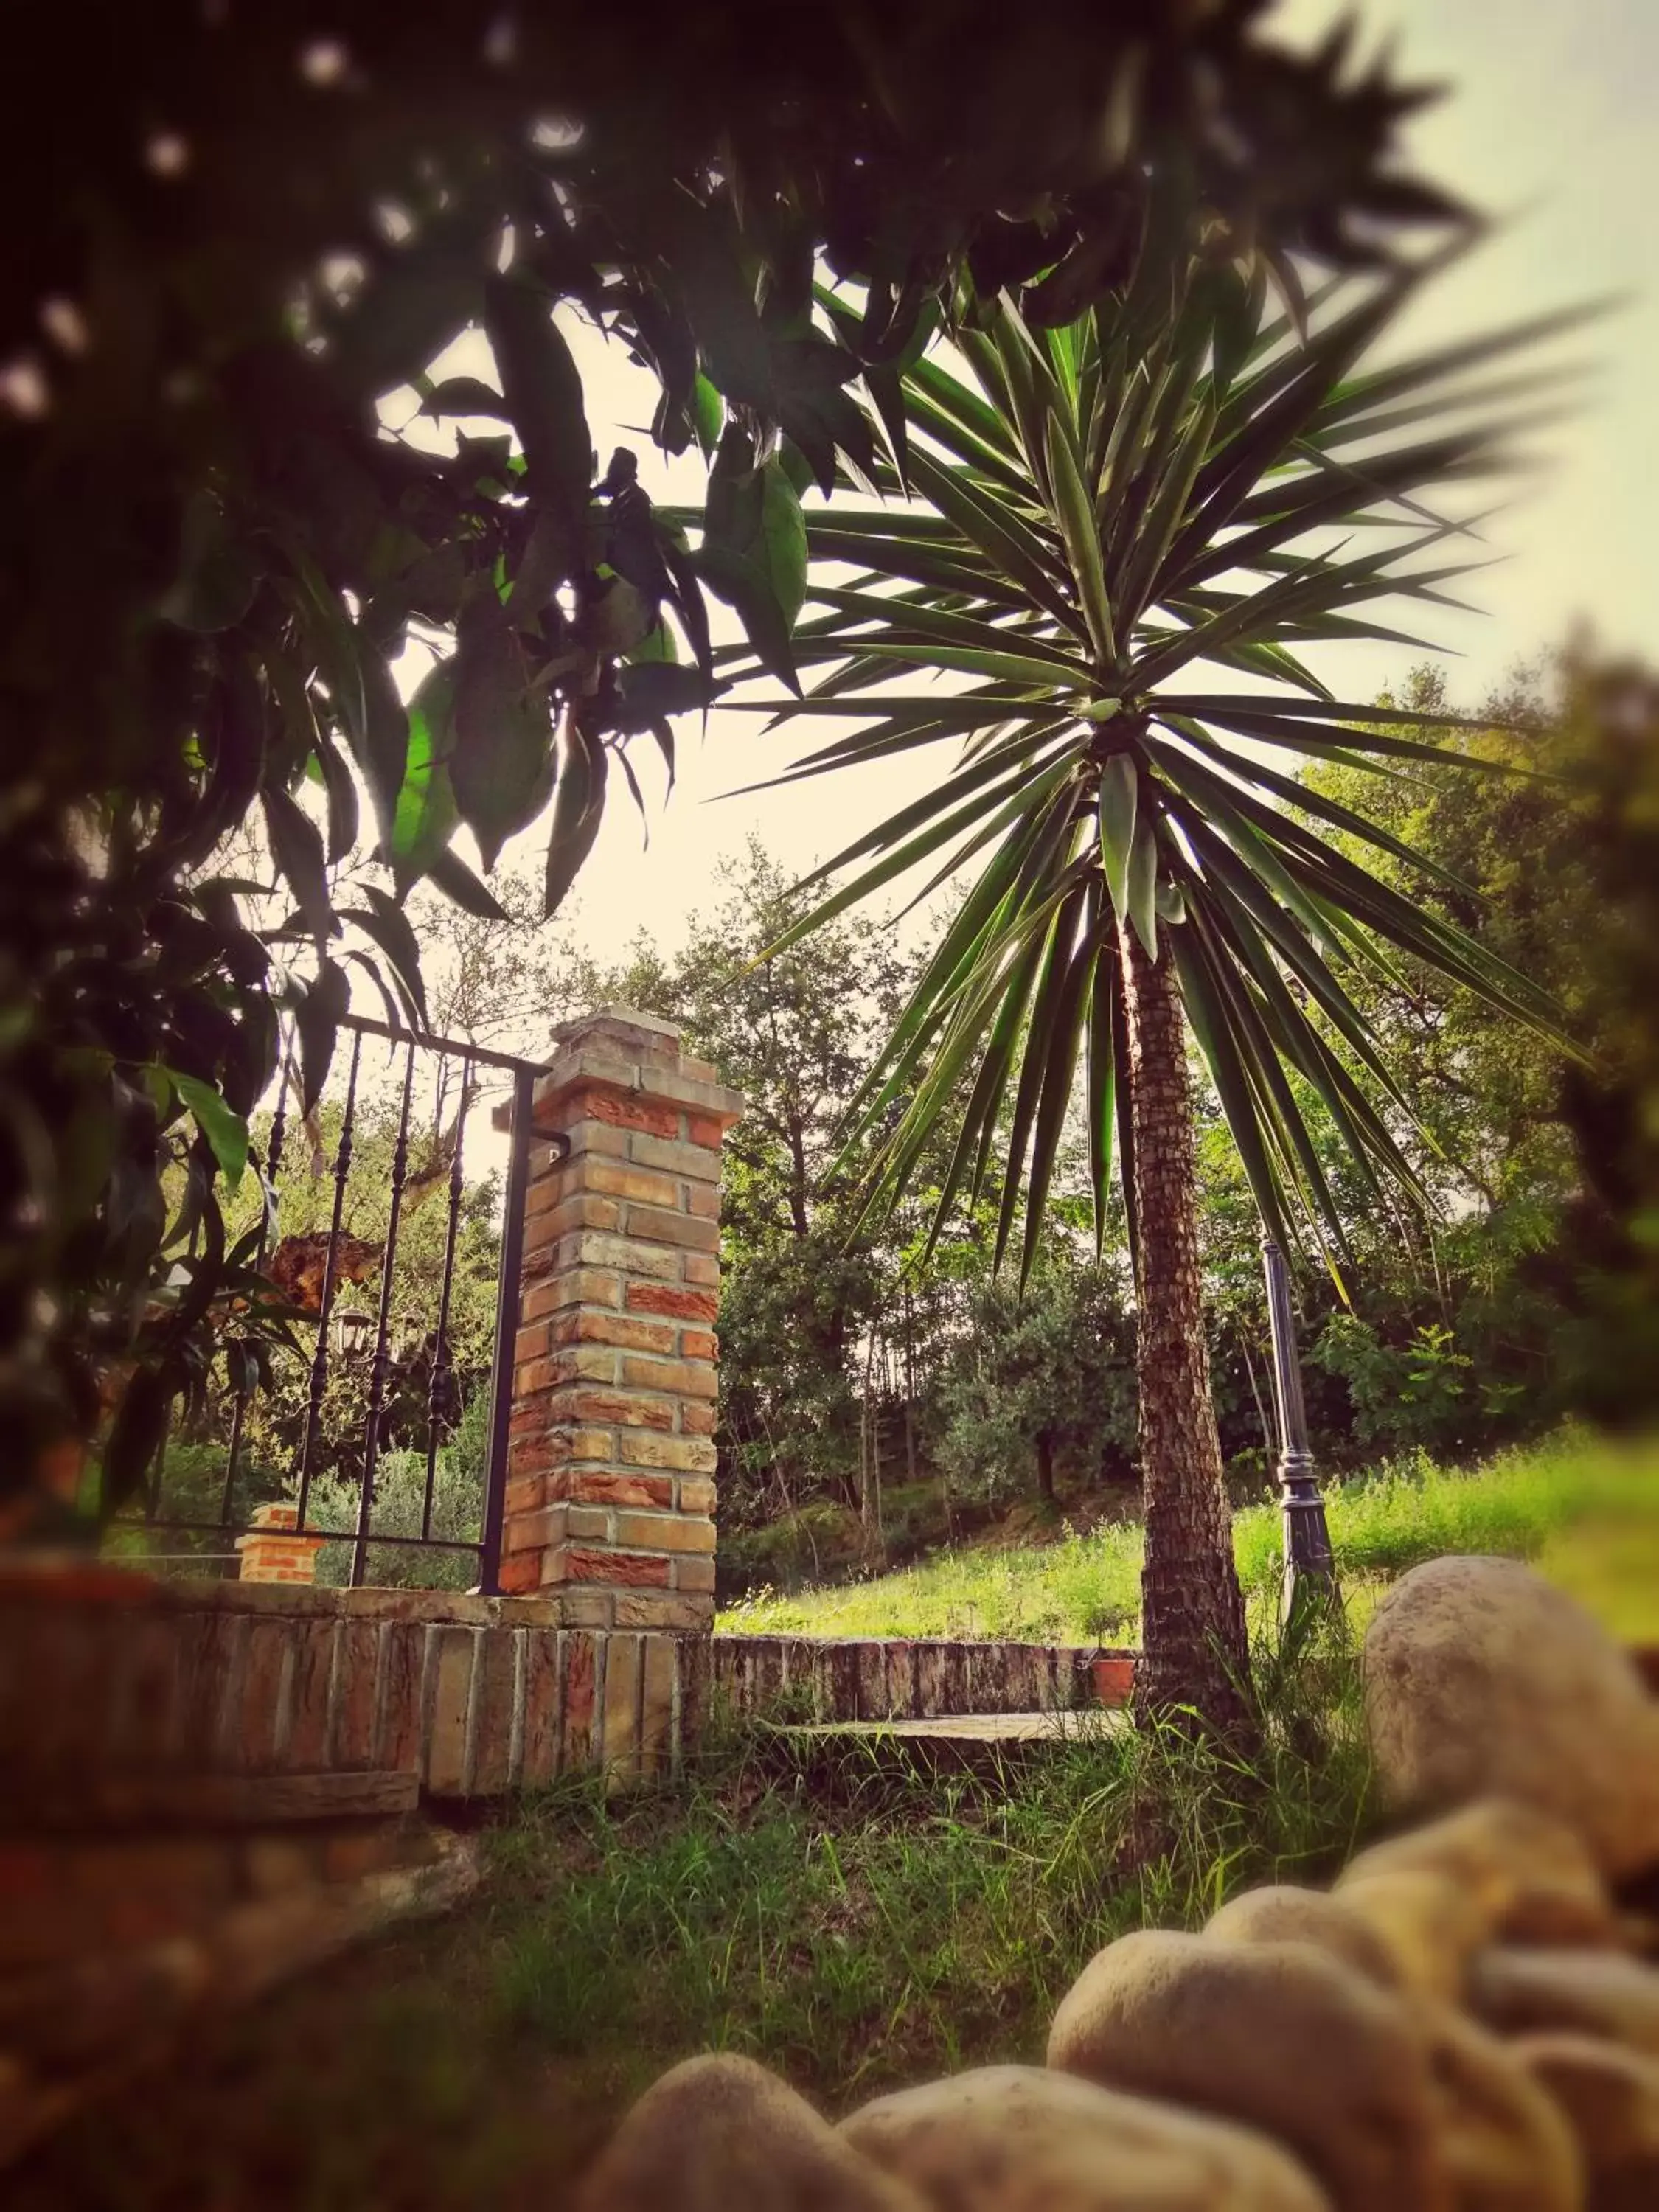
1194	1650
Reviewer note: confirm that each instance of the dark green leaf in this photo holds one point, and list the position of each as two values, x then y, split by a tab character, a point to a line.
225	1130
296	846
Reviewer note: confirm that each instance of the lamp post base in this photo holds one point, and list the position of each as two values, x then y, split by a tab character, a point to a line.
1309	1563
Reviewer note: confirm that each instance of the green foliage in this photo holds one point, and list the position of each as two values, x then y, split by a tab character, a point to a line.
258	232
399	1510
1543	1170
1566	1501
1042	1383
1089	488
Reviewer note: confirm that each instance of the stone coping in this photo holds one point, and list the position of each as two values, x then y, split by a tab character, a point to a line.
58	1581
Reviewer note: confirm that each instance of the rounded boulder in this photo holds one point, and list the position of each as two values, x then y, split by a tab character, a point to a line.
1529	1875
1609	2097
1430	1926
1506	2145
1281	1913
1601	1993
1482	1679
1281	2037
720	2133
1016	2139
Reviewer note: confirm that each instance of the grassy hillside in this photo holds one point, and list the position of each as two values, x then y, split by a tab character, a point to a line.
1586	1508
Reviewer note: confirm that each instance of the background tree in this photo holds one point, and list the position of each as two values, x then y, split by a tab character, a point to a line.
256	226
1106	504
1041	1385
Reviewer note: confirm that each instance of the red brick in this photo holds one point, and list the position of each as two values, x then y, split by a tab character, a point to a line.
403	1670
534	1532
576	1286
456	1653
701	1267
699	1344
577	1363
662	1298
526	1494
534	1343
612	1409
661	1609
689	1378
687	1454
586	1487
539	1757
580	1668
699	1162
307	1733
577	1327
529	1456
545	1191
637	1568
521	1573
495	1689
665	1532
692	1573
698	1420
352	1724
622	1113
644	1185
703	1200
589	1248
703	1129
654	1225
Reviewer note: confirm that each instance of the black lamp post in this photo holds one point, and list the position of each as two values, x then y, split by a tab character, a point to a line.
1309	1568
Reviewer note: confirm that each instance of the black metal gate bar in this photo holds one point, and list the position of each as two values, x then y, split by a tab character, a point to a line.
273	1165
319	1360
378	1372
507	1326
437	1396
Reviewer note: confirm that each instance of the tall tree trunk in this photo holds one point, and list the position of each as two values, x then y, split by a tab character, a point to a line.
1192	1611
1045	1460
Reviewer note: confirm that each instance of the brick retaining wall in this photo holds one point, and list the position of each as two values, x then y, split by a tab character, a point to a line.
914	1678
106	1679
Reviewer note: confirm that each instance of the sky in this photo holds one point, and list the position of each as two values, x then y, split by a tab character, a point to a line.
1548	128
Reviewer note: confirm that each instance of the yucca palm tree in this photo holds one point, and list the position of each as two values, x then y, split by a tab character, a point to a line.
1094	512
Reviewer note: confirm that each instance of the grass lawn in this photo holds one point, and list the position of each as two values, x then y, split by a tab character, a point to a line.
855	1927
1586	1508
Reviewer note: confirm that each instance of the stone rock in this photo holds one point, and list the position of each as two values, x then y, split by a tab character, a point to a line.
1483	1679
719	2133
1430	1927
1018	2139
1506	2145
1531	1874
1601	1993
1279	2036
1280	1912
1609	2097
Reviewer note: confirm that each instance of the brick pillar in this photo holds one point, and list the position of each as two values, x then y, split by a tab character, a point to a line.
610	1492
270	1554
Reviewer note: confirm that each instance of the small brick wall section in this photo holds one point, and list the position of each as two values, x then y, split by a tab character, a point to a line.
866	1678
474	1696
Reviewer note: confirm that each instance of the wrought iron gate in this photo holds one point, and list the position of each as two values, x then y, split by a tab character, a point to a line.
313	1269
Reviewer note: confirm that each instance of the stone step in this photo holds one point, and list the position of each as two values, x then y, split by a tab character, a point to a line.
954	1739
